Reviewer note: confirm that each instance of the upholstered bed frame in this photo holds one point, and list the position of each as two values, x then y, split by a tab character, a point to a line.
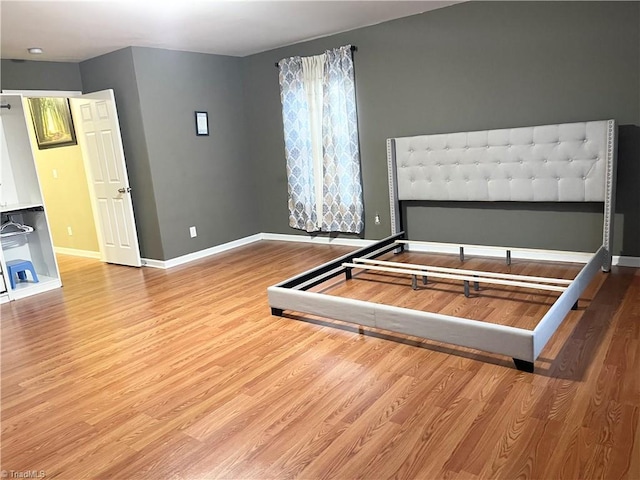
571	162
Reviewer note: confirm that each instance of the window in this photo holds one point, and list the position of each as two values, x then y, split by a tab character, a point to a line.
321	142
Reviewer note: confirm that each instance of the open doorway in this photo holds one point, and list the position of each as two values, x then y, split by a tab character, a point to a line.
98	174
65	188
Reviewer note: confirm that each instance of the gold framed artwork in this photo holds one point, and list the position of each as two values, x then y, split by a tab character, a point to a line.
52	122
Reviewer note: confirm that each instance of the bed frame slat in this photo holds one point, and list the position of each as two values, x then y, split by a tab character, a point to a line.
468	278
430	268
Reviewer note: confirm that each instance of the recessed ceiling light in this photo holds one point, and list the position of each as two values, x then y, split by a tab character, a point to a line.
34	50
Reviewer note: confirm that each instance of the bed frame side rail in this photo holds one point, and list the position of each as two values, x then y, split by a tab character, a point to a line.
489	337
558	311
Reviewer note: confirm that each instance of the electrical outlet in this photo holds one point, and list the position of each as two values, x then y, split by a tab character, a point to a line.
192	232
69	231
377	219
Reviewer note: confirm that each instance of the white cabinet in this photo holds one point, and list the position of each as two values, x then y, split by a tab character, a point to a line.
21	202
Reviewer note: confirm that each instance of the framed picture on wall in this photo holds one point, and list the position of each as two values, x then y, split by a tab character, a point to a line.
202	123
52	122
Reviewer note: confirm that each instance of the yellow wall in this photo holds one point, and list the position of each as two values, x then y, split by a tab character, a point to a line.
66	197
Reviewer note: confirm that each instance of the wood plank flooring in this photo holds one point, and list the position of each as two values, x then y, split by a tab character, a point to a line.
184	374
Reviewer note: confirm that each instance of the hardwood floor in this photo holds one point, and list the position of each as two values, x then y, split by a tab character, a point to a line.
184	374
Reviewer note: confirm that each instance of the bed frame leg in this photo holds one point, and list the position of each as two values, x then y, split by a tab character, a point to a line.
347	273
424	279
462	254
277	312
575	305
508	257
466	288
523	365
476	285
414	282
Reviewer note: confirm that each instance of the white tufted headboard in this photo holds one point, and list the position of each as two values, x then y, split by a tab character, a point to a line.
569	162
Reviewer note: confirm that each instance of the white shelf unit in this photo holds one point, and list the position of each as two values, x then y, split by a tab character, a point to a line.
21	201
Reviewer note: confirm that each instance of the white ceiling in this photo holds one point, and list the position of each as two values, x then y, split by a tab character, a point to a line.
73	31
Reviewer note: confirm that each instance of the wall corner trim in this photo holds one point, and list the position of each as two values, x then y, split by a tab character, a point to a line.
190	257
577	257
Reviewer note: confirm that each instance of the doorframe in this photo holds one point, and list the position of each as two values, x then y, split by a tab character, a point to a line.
70	94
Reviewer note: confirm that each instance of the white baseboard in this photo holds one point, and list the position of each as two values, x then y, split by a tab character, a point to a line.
487	251
153	263
526	254
77	253
190	257
621	261
318	240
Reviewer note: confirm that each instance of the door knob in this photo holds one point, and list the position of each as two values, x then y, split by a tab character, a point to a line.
124	189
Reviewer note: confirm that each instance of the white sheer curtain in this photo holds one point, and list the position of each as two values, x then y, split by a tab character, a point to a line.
298	149
312	74
321	142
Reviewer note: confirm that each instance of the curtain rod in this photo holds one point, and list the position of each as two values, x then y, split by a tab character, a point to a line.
353	49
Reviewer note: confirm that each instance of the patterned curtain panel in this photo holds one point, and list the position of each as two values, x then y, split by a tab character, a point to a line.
297	146
342	208
325	187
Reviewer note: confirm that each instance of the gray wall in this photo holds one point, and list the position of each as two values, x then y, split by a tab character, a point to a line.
116	71
202	181
477	65
179	179
471	66
30	75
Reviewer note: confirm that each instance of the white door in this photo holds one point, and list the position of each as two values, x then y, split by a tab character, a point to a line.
98	132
